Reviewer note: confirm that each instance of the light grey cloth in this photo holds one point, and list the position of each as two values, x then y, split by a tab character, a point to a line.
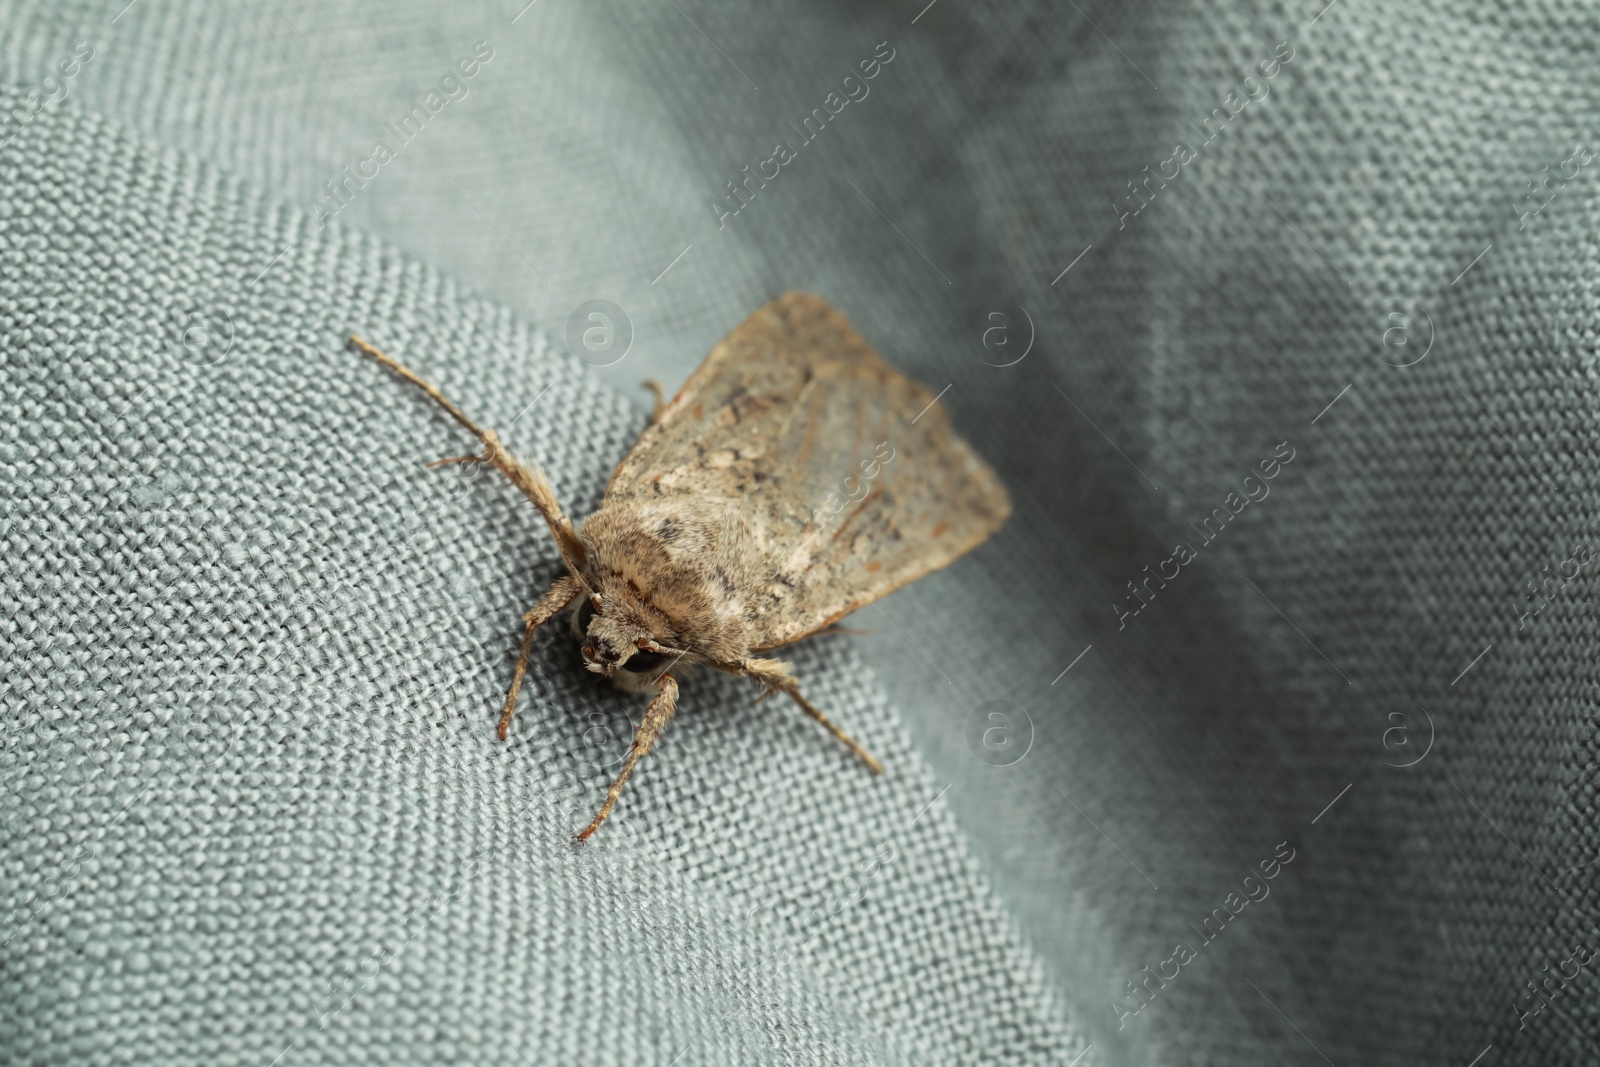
253	653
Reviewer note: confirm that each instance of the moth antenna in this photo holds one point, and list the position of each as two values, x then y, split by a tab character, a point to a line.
530	480
649	645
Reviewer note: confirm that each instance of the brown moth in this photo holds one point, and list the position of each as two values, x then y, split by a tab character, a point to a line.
794	478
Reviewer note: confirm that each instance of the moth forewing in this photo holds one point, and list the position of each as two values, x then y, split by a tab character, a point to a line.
794	478
850	483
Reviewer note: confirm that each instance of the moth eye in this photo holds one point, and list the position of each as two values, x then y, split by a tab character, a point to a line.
586	614
644	662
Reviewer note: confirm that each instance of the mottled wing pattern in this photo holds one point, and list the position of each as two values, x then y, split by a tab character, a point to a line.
851	483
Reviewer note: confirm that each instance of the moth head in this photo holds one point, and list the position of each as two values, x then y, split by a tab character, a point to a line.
618	643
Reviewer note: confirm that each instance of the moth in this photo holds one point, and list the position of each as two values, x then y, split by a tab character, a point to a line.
795	478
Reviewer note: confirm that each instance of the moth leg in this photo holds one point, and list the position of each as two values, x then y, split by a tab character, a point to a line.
660	398
530	480
557	597
776	676
656	717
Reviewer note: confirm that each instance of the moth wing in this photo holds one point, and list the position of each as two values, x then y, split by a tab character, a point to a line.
847	473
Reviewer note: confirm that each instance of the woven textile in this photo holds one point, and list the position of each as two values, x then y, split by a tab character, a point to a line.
253	651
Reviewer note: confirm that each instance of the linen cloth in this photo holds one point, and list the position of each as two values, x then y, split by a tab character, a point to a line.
255	811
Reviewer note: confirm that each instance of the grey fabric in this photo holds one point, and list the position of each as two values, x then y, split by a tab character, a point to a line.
253	653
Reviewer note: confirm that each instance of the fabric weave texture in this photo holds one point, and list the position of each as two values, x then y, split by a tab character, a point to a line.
253	650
